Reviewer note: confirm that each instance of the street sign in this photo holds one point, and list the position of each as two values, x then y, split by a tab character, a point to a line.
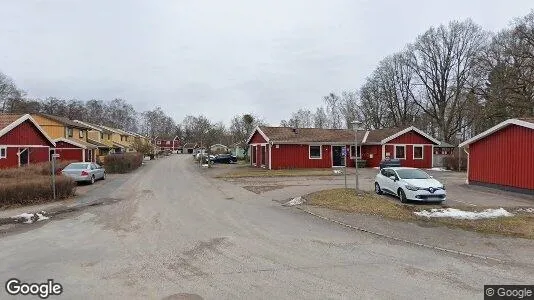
55	155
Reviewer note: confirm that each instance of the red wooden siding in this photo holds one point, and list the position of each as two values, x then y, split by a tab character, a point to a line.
65	145
424	163
12	160
505	157
36	155
70	154
297	156
39	155
24	134
411	137
257	138
376	151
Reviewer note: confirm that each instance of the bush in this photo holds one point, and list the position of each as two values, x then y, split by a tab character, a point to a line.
451	162
33	169
32	185
123	162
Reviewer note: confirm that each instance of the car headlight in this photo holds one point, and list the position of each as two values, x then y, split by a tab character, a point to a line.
411	187
443	187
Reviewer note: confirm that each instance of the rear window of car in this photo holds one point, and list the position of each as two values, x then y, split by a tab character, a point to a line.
412	174
76	166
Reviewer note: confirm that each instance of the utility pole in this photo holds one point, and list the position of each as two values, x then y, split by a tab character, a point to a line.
53	163
356	125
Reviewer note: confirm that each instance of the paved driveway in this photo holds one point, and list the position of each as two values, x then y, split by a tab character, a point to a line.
458	193
175	231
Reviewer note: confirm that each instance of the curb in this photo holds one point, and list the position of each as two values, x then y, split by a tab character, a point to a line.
402	240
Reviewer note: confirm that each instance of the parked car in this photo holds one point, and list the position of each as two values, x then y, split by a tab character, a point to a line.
224	159
390	162
409	184
86	172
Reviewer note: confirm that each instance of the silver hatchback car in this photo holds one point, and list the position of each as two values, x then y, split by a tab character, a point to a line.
86	172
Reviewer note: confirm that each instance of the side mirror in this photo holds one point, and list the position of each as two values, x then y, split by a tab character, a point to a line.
393	178
431	176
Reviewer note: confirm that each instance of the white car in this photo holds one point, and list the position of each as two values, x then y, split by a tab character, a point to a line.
409	184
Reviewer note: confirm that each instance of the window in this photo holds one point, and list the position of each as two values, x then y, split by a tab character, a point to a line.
417	152
3	152
81	133
168	142
400	152
158	142
109	136
101	135
263	153
315	152
69	132
359	151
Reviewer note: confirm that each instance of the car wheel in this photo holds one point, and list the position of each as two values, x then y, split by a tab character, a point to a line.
378	190
104	176
402	196
92	179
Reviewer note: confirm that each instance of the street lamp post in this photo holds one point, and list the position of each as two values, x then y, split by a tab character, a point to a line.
356	125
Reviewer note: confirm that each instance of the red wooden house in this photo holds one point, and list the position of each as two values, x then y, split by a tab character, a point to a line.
22	141
285	147
503	156
170	145
75	150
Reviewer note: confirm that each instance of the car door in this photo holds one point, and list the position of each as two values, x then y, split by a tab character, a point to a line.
389	184
394	184
384	181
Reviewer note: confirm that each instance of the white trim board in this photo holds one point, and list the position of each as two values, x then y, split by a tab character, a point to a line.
411	128
257	129
395	151
422	152
496	128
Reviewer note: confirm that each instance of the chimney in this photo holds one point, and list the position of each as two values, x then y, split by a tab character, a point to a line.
295	130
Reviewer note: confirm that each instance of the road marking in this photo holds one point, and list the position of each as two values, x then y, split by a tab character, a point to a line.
403	240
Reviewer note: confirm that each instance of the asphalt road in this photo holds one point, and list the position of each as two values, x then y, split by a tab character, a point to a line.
169	230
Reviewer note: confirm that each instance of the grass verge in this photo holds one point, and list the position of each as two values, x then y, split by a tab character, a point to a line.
520	225
247	171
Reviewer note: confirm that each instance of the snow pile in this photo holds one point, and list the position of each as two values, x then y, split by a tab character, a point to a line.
338	171
529	210
467	215
30	218
295	201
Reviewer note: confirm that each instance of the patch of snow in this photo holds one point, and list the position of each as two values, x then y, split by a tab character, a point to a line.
466	215
295	201
527	210
28	217
41	217
377	168
205	165
338	171
440	169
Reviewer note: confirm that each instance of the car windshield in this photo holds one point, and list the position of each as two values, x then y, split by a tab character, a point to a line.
76	166
412	174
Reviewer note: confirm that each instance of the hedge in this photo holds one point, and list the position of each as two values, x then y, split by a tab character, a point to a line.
123	162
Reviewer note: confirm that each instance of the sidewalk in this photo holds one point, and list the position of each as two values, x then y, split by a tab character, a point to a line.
496	248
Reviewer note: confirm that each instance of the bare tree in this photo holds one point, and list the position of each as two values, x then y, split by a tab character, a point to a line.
320	119
443	60
10	95
348	107
333	112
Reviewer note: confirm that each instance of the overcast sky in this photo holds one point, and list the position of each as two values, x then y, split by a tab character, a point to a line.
213	57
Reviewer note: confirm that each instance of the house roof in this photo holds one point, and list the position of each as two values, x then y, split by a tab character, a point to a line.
523	122
78	143
64	121
307	135
445	145
89	125
98	144
321	135
190	145
9	121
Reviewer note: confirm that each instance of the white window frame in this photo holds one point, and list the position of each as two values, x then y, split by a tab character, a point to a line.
5	152
320	152
395	151
158	142
80	134
352	154
422	152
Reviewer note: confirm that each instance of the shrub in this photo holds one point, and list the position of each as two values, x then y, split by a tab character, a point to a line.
451	162
123	162
33	189
33	169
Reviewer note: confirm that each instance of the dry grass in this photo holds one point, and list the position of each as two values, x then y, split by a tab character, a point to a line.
32	185
247	171
520	225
